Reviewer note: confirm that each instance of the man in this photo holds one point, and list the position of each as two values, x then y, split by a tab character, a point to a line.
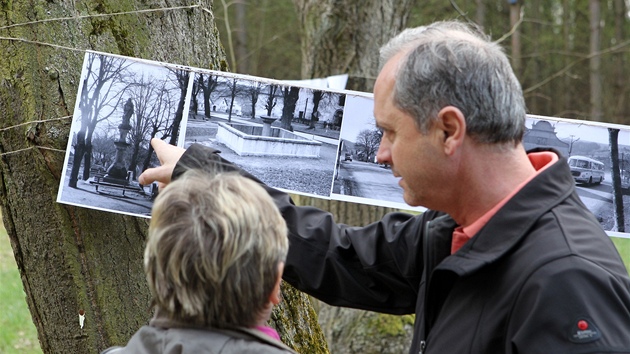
508	259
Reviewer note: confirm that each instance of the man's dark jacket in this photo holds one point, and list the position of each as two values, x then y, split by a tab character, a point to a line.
540	277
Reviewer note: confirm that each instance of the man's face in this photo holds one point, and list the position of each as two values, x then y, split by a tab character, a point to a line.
413	156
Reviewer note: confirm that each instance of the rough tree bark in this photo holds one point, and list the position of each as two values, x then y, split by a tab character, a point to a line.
344	37
74	259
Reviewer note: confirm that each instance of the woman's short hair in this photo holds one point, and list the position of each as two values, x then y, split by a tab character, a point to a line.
214	246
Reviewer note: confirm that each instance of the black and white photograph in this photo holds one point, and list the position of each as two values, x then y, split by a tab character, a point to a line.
122	104
286	136
309	141
358	176
599	159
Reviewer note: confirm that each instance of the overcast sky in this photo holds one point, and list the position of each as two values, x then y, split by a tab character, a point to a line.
358	115
586	132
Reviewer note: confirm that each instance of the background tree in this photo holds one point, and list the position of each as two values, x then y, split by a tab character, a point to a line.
271	44
74	259
595	60
341	37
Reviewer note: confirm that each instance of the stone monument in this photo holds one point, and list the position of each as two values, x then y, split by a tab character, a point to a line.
117	172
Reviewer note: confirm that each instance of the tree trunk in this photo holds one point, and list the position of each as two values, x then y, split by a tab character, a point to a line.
621	87
242	65
290	97
613	137
74	259
595	61
339	37
343	37
515	16
480	13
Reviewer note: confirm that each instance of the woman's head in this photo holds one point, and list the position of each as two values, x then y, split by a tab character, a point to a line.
214	248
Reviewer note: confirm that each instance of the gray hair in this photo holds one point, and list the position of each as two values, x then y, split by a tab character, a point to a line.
453	64
213	250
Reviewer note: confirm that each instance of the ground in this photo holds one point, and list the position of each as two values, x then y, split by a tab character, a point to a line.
306	175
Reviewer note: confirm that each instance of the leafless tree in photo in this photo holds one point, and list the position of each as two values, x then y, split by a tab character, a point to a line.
194	101
367	142
208	85
271	101
252	93
160	121
229	90
180	77
619	226
153	104
104	74
290	95
102	148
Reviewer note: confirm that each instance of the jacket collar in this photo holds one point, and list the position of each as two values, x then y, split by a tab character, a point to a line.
510	224
161	321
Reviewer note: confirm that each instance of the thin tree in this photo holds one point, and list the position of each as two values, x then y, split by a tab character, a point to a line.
208	86
595	60
271	101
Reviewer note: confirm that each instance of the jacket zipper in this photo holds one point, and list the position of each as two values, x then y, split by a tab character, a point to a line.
425	251
423	344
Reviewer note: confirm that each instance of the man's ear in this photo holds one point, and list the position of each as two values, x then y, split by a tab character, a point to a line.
274	297
453	125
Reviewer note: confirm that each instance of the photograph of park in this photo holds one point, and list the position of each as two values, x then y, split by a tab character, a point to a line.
309	141
122	105
287	136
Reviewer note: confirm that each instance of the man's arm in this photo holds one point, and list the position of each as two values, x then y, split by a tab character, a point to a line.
168	156
372	267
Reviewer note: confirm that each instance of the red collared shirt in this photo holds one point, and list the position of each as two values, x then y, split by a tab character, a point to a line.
461	235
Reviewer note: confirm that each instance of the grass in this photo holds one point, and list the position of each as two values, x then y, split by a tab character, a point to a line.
17	331
623	246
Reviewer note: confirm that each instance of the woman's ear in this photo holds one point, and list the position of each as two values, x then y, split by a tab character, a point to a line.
274	297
